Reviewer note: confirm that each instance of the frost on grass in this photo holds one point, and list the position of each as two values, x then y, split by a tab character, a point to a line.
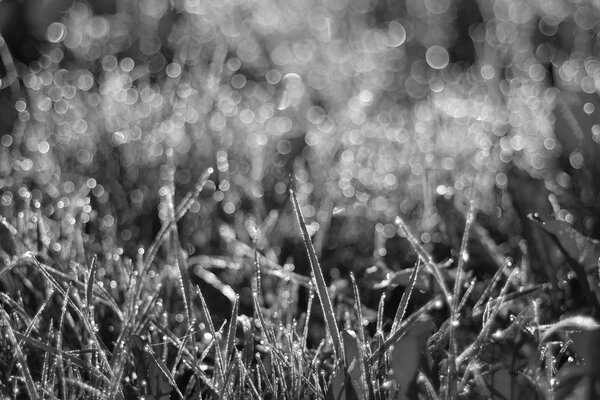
150	246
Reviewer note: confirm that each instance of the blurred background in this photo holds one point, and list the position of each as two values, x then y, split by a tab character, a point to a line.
373	108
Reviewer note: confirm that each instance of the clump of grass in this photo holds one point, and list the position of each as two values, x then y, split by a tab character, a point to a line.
104	338
113	288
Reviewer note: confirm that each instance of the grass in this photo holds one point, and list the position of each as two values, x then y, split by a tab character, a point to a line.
450	345
291	200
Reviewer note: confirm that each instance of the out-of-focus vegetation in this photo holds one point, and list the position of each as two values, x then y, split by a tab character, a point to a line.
110	112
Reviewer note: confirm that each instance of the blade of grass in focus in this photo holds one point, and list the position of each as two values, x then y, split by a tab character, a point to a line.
230	338
89	293
267	266
403	328
451	391
46	348
483	335
179	256
311	297
322	291
180	211
59	344
211	329
406	297
22	362
425	257
364	347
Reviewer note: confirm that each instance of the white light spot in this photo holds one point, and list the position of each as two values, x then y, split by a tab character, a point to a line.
43	147
173	70
437	57
56	32
396	34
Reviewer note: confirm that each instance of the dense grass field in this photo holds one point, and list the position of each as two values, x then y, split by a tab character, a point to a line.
346	199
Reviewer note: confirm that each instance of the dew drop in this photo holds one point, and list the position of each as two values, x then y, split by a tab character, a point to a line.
465	256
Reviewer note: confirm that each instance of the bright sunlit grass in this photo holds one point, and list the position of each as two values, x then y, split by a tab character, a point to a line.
299	200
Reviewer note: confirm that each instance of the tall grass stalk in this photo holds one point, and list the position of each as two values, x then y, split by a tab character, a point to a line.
322	291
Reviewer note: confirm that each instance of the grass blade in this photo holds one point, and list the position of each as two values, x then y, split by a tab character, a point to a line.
491	284
364	348
211	329
267	265
358	309
184	276
407	355
118	366
181	349
191	361
95	393
322	291
152	370
54	275
18	309
214	281
380	309
230	339
426	386
256	284
185	204
29	383
466	296
485	331
268	334
180	211
451	392
216	262
311	297
406	297
262	375
403	328
7	239
462	258
66	356
425	257
47	360
89	292
229	373
247	378
356	363
59	341
248	348
146	311
179	256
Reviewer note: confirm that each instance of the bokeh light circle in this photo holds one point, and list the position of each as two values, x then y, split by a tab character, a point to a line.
396	34
437	57
56	32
